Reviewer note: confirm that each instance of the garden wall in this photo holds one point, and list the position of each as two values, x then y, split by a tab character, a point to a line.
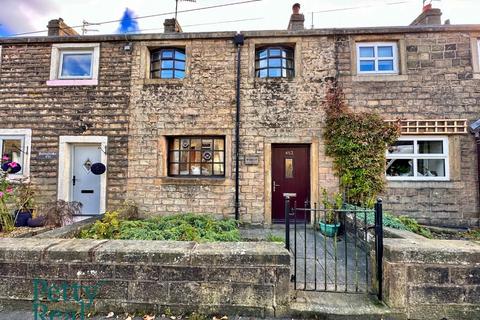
433	279
73	275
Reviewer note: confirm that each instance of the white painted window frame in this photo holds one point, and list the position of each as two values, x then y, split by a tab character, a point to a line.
56	61
394	46
60	66
416	156
26	136
478	51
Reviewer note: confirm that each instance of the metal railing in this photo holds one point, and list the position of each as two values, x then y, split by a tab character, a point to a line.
335	257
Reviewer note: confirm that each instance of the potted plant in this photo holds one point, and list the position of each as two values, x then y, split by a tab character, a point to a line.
329	224
60	213
24	202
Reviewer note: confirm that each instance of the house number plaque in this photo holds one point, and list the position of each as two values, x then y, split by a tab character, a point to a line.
251	160
46	155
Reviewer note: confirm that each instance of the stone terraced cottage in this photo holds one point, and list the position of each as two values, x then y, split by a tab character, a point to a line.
160	112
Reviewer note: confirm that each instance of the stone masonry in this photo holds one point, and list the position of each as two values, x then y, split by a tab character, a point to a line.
432	279
27	102
144	276
437	80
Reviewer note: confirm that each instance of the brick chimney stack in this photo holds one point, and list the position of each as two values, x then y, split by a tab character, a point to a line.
171	26
57	27
429	16
296	19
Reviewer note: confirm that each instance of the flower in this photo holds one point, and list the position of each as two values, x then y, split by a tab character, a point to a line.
9	190
1	194
12	164
5	158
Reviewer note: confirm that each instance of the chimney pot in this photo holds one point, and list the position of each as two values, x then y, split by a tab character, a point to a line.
296	8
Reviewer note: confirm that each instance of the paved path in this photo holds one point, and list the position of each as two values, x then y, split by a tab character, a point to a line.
333	264
326	258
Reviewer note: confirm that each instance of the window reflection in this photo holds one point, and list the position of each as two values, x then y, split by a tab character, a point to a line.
76	65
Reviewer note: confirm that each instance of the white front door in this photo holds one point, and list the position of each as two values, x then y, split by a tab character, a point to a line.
85	184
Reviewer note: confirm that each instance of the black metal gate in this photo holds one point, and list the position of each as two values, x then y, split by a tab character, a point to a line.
338	260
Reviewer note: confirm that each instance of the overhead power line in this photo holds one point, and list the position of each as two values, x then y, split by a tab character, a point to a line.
361	7
207	23
149	16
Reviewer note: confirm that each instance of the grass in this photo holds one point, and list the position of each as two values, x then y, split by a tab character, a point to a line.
180	227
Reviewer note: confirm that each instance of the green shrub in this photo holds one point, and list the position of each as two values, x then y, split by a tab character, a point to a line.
412	225
357	144
391	221
180	227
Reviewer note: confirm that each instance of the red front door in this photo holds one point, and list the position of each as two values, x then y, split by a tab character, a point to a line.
290	177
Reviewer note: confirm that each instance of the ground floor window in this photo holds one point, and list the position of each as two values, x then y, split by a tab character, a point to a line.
15	147
418	158
196	156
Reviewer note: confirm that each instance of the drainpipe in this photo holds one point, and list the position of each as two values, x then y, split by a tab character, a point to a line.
238	41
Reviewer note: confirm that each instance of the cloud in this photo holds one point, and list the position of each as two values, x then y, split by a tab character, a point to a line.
128	24
22	15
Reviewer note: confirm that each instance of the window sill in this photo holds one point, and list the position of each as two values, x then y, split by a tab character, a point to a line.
380	77
15	178
194	180
275	79
77	82
421	184
163	81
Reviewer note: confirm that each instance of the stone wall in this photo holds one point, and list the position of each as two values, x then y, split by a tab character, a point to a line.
432	279
26	102
201	104
138	114
436	81
145	276
272	111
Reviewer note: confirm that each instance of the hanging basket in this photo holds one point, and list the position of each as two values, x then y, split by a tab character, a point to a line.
7	166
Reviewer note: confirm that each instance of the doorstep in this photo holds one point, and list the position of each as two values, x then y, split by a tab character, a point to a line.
339	306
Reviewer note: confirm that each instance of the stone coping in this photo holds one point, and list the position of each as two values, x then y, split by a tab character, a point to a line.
69	231
143	251
432	251
247	34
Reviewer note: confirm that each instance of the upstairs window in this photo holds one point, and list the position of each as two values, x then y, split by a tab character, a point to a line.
167	63
380	57
196	156
274	62
412	158
74	64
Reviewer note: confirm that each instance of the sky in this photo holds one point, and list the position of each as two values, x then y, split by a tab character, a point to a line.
19	16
